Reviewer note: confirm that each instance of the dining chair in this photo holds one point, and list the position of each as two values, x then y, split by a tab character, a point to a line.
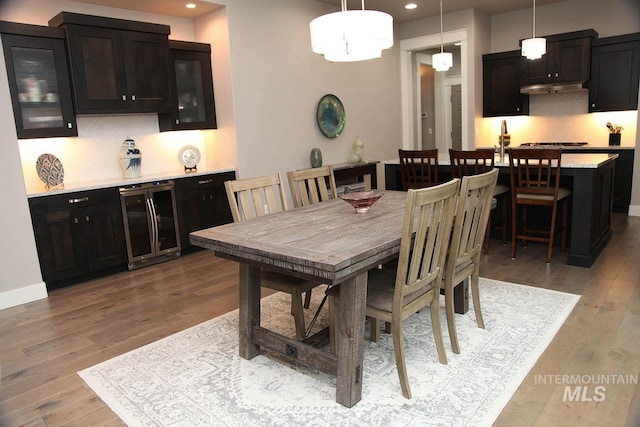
463	260
535	181
393	295
466	163
418	168
254	197
314	185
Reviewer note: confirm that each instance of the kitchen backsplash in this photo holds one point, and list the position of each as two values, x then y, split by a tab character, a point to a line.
93	155
563	117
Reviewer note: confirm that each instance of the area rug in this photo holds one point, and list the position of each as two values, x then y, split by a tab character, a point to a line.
196	378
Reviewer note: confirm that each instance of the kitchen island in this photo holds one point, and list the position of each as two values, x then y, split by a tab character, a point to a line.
590	178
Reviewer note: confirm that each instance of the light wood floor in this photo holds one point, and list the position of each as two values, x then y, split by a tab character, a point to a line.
44	343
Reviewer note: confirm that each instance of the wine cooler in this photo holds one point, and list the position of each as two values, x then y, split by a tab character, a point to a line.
150	222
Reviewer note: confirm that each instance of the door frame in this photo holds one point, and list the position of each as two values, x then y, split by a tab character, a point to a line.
409	84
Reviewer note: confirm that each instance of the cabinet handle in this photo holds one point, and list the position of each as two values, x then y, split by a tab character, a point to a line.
593	105
80	200
518	109
177	121
205	181
86	218
124	97
133	97
549	75
70	125
75	220
557	75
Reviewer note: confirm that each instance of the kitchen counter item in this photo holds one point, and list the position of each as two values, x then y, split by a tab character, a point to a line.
130	159
50	170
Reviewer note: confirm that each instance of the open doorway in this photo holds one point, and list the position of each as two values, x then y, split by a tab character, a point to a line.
451	124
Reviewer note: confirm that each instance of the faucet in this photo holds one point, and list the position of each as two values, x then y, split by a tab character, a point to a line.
503	132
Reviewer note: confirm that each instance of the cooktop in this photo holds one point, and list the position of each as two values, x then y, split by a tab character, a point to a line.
561	144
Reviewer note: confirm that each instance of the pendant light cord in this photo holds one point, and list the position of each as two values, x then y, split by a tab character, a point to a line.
534	19
441	30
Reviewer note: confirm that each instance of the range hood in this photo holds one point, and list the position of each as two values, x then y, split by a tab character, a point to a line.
554	88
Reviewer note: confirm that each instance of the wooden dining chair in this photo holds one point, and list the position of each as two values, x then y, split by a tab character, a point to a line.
395	294
535	181
463	260
418	168
466	163
254	197
310	186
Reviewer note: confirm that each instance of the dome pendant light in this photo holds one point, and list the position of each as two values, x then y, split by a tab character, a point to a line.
351	35
534	47
444	60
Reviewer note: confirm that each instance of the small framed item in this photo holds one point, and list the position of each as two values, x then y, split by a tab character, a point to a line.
189	156
330	116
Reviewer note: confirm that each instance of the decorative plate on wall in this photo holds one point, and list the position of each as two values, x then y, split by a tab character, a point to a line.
50	170
330	116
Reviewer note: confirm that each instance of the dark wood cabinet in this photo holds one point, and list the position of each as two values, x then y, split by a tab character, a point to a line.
622	177
38	76
615	73
501	85
192	88
78	234
568	60
202	203
118	66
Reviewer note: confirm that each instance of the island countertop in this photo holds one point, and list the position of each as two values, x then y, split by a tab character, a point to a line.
569	160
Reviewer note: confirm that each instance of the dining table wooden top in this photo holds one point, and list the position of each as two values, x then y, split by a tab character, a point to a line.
326	242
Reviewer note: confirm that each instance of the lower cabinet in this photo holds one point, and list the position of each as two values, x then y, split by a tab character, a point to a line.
78	235
202	203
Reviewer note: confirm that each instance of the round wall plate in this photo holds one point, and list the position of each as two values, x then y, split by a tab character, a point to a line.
189	156
330	116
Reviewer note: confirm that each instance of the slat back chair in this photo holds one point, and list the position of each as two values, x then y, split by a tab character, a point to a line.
254	197
418	168
535	181
467	237
310	186
395	294
467	163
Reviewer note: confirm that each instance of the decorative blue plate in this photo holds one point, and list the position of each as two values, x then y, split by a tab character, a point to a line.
330	116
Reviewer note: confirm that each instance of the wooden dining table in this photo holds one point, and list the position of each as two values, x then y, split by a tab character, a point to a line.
327	242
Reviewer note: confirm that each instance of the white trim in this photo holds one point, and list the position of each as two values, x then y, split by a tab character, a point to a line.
634	210
23	295
407	48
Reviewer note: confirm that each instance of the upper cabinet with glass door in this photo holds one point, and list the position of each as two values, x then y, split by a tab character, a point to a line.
38	78
194	106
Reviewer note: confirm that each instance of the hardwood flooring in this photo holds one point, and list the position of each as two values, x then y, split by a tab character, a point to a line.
44	343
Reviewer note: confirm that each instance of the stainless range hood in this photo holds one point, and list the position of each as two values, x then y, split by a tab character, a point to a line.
554	88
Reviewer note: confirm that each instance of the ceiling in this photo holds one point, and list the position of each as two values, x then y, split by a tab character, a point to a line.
395	8
161	7
427	8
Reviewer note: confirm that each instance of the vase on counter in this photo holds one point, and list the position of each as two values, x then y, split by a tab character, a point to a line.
130	159
315	158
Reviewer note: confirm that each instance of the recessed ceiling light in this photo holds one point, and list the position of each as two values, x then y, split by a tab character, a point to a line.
410	6
190	5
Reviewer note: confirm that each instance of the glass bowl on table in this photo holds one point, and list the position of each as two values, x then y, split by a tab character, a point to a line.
362	200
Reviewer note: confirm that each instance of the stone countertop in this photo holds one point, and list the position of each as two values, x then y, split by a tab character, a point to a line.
71	187
569	160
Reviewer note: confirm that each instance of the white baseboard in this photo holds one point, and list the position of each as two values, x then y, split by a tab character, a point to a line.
634	210
23	295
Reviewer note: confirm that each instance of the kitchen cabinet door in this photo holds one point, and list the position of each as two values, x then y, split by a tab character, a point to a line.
36	62
202	203
116	68
78	234
568	60
193	97
615	74
501	85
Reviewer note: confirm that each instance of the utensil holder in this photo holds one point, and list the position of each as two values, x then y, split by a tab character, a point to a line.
614	138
